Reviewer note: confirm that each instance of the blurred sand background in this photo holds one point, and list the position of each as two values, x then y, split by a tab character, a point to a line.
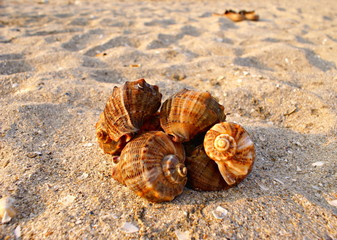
59	61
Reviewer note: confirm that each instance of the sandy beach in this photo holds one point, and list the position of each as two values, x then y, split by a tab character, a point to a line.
59	61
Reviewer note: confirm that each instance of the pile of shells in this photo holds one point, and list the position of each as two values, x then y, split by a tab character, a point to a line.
186	142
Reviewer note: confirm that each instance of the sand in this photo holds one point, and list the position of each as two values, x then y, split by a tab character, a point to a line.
59	61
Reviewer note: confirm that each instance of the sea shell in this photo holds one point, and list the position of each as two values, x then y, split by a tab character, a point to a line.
7	210
151	123
127	108
188	113
105	142
203	172
230	146
152	166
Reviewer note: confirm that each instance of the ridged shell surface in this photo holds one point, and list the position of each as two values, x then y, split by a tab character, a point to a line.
230	146
203	172
127	108
188	113
152	166
152	123
105	142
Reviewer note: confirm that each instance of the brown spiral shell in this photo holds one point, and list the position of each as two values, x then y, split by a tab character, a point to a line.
152	166
188	113
230	146
105	142
127	108
203	172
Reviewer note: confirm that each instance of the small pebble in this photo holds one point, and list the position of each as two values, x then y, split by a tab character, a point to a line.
128	227
263	187
31	155
262	138
182	235
83	176
88	144
278	180
318	164
135	65
220	212
178	77
34	154
67	200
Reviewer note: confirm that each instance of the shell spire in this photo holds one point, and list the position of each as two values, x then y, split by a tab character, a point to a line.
128	106
230	146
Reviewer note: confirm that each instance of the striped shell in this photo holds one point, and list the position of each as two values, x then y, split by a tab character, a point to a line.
230	146
127	108
152	166
203	172
188	113
152	123
105	142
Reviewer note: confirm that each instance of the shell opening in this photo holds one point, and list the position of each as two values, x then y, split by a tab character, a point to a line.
115	159
225	142
174	170
182	170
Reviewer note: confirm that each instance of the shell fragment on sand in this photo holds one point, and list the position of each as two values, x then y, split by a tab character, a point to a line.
182	235
318	164
333	203
7	210
128	227
220	212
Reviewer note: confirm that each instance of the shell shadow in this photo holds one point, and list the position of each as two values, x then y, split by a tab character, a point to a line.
283	166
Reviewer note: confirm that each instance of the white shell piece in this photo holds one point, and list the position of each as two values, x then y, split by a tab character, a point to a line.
182	235
7	210
128	227
220	212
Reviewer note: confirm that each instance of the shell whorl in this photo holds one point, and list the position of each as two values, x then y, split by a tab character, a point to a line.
230	146
225	143
128	107
173	169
